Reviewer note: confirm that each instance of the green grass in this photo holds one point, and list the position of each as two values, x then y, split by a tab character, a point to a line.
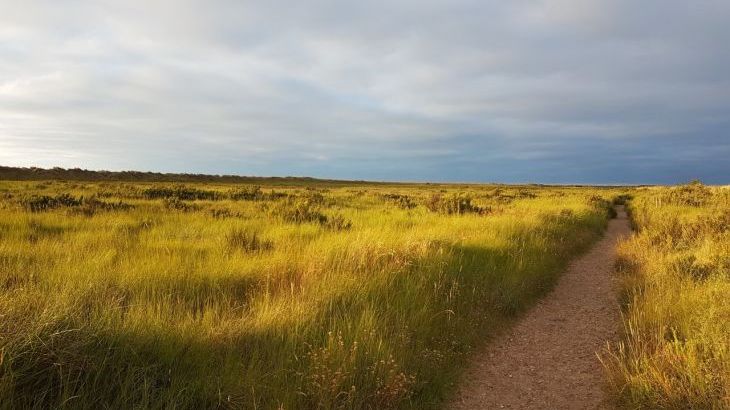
675	352
207	295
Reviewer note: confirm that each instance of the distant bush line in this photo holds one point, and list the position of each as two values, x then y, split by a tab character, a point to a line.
78	174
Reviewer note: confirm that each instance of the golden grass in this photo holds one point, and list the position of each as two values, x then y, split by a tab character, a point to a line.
675	352
349	297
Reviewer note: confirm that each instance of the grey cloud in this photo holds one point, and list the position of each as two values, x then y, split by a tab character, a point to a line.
457	90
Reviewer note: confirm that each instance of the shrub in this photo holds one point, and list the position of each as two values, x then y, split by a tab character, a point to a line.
222	213
622	199
401	201
246	193
274	195
717	223
176	204
299	210
337	223
523	193
601	203
157	193
314	198
86	206
247	241
306	209
92	205
254	193
39	203
690	266
454	204
180	192
692	194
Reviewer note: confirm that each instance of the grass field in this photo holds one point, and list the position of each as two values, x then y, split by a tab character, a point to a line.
676	292
221	295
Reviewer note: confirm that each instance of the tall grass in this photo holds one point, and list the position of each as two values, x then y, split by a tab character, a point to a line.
675	351
220	296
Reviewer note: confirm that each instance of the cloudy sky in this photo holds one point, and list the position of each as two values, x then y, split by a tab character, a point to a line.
585	91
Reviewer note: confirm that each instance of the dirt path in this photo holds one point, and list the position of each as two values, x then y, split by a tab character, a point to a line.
548	360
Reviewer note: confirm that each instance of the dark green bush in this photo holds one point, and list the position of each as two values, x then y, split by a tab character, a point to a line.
86	206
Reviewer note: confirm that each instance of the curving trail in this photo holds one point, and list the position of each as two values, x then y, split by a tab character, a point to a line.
548	360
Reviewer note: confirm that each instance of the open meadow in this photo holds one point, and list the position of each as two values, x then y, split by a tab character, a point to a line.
309	295
365	205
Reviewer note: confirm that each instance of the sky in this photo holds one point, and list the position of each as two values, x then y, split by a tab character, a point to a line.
558	91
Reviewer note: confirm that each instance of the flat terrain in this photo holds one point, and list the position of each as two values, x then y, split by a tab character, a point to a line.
119	295
305	294
549	359
674	277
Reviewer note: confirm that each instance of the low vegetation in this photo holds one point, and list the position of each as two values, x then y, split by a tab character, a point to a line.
457	203
675	351
247	296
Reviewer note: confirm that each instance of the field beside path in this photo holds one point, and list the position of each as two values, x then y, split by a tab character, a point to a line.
208	295
674	351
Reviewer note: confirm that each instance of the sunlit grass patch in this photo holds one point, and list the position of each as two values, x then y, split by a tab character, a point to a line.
676	286
205	295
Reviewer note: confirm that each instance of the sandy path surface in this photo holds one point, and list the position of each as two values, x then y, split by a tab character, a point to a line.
548	360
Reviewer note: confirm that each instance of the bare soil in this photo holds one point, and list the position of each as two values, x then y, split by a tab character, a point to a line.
548	360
